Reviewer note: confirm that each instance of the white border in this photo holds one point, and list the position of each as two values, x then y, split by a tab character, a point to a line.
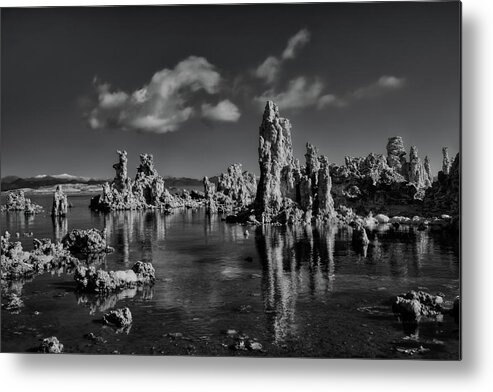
474	373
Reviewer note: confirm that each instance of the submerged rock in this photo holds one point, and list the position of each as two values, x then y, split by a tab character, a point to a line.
17	201
121	318
60	203
89	279
51	345
86	242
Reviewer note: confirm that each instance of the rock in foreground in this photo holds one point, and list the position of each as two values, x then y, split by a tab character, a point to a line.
86	242
88	279
51	345
120	318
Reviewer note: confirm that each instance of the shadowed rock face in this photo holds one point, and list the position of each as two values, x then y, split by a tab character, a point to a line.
443	197
396	153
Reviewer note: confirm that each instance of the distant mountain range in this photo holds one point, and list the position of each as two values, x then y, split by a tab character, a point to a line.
44	180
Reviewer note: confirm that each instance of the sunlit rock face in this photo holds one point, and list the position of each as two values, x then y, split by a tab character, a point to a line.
60	203
387	184
443	197
286	192
17	201
446	162
277	165
416	170
239	185
146	191
209	192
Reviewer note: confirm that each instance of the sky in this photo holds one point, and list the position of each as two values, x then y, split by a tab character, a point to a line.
189	83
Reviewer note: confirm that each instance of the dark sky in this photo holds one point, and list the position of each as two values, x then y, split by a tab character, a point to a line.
351	76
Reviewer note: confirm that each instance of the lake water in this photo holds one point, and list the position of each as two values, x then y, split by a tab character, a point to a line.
299	291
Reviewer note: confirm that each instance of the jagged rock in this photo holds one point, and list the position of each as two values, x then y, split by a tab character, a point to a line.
446	161
86	242
209	191
17	263
121	318
288	193
17	201
51	345
145	192
60	203
413	305
427	167
416	170
396	154
444	194
239	185
325	207
277	165
88	279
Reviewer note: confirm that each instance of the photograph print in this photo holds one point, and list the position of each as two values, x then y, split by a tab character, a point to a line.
263	180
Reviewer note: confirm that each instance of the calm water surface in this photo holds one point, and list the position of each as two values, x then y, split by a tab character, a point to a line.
299	291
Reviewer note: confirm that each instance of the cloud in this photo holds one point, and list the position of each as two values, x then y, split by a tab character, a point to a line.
223	111
163	104
295	43
270	68
302	92
381	86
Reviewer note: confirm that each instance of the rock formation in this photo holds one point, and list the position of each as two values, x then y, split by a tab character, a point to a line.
277	165
427	167
239	185
120	318
17	263
209	191
86	242
416	170
89	279
60	203
286	192
446	161
17	201
146	191
443	197
396	154
51	345
413	305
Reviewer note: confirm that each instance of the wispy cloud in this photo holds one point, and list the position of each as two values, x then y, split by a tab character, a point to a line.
382	85
302	92
295	43
269	69
163	104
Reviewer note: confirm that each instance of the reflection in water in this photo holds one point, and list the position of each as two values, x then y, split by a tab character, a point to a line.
23	222
125	229
60	227
101	303
283	250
